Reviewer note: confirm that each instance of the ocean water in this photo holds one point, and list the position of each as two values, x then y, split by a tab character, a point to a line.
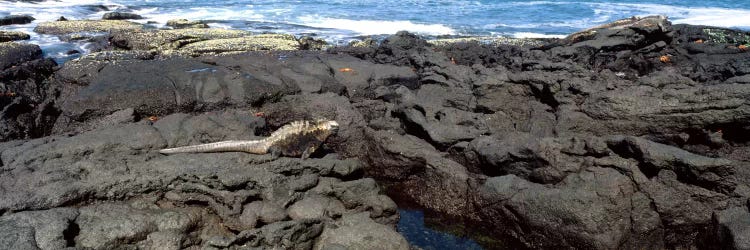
340	21
412	226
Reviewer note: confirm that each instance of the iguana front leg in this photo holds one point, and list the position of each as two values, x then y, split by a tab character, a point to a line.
308	151
275	152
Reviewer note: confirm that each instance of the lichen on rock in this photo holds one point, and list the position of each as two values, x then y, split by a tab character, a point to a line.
184	23
7	36
246	43
74	26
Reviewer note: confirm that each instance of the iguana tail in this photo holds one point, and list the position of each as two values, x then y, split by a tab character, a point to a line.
253	147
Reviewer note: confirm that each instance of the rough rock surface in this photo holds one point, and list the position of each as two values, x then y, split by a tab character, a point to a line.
7	36
171	202
184	23
14	53
75	26
26	110
629	136
202	41
358	231
598	143
15	19
120	16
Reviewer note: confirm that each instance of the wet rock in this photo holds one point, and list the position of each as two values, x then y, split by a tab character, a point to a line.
75	26
184	23
396	49
92	89
309	43
104	95
358	231
120	16
14	53
7	36
95	7
425	176
25	111
361	78
158	87
16	19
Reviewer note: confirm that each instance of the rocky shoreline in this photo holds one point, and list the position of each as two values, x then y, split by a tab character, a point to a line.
633	135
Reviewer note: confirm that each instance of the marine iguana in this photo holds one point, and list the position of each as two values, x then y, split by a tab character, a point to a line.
590	33
617	24
299	138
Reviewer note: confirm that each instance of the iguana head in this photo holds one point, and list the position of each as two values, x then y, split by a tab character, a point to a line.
333	126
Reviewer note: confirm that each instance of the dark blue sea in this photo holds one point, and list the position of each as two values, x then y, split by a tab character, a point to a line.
340	21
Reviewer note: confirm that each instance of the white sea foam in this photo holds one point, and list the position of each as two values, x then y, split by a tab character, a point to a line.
161	16
717	17
712	16
607	12
52	10
535	35
373	27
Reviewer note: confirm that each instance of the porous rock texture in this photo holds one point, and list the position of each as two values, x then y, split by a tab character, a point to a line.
26	107
108	188
626	137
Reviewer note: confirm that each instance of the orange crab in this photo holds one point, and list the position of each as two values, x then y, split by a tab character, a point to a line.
742	47
699	41
665	59
346	70
153	118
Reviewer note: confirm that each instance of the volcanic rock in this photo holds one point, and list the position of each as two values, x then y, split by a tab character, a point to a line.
120	16
184	23
16	19
7	36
